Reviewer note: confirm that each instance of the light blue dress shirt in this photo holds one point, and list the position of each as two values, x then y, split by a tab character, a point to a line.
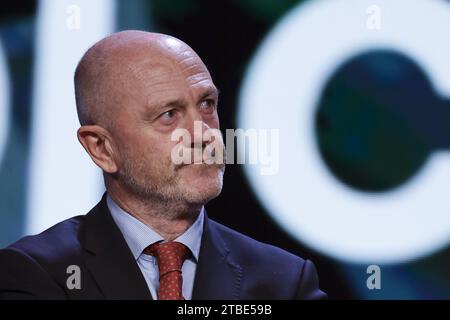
139	236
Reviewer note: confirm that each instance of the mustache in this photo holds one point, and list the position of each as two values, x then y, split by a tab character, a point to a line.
205	155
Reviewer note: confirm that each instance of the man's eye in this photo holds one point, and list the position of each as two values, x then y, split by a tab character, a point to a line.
208	105
168	117
168	114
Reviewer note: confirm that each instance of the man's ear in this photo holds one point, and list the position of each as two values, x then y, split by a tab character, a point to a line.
97	143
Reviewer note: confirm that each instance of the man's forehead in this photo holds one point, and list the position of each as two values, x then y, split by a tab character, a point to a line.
165	66
163	72
149	57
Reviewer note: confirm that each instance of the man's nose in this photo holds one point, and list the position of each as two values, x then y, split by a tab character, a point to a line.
196	127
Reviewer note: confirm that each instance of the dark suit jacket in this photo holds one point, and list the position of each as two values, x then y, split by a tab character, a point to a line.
230	265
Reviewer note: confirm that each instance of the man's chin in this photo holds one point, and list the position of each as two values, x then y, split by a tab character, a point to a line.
202	185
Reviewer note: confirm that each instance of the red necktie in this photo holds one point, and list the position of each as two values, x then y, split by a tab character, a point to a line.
170	256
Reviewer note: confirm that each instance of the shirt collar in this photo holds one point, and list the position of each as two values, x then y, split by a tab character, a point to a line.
139	236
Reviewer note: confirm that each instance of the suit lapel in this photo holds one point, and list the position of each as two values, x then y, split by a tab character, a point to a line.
110	261
218	277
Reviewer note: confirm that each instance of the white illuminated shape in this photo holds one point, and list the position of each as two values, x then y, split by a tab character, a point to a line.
281	90
63	180
4	102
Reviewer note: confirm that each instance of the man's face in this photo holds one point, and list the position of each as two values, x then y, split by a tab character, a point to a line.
162	97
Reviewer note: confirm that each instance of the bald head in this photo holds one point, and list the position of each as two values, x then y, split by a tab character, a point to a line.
110	74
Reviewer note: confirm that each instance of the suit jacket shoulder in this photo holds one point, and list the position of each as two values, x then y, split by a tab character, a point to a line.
34	266
269	272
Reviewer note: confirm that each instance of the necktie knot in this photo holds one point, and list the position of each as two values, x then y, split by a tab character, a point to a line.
170	256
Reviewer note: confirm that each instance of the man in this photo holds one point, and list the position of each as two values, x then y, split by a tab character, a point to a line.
149	236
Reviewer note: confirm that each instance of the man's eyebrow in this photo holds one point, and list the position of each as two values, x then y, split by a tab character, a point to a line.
181	102
176	102
211	91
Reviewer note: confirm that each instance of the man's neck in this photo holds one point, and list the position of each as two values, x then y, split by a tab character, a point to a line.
170	220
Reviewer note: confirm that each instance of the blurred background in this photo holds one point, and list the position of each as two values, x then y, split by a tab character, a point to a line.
358	91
